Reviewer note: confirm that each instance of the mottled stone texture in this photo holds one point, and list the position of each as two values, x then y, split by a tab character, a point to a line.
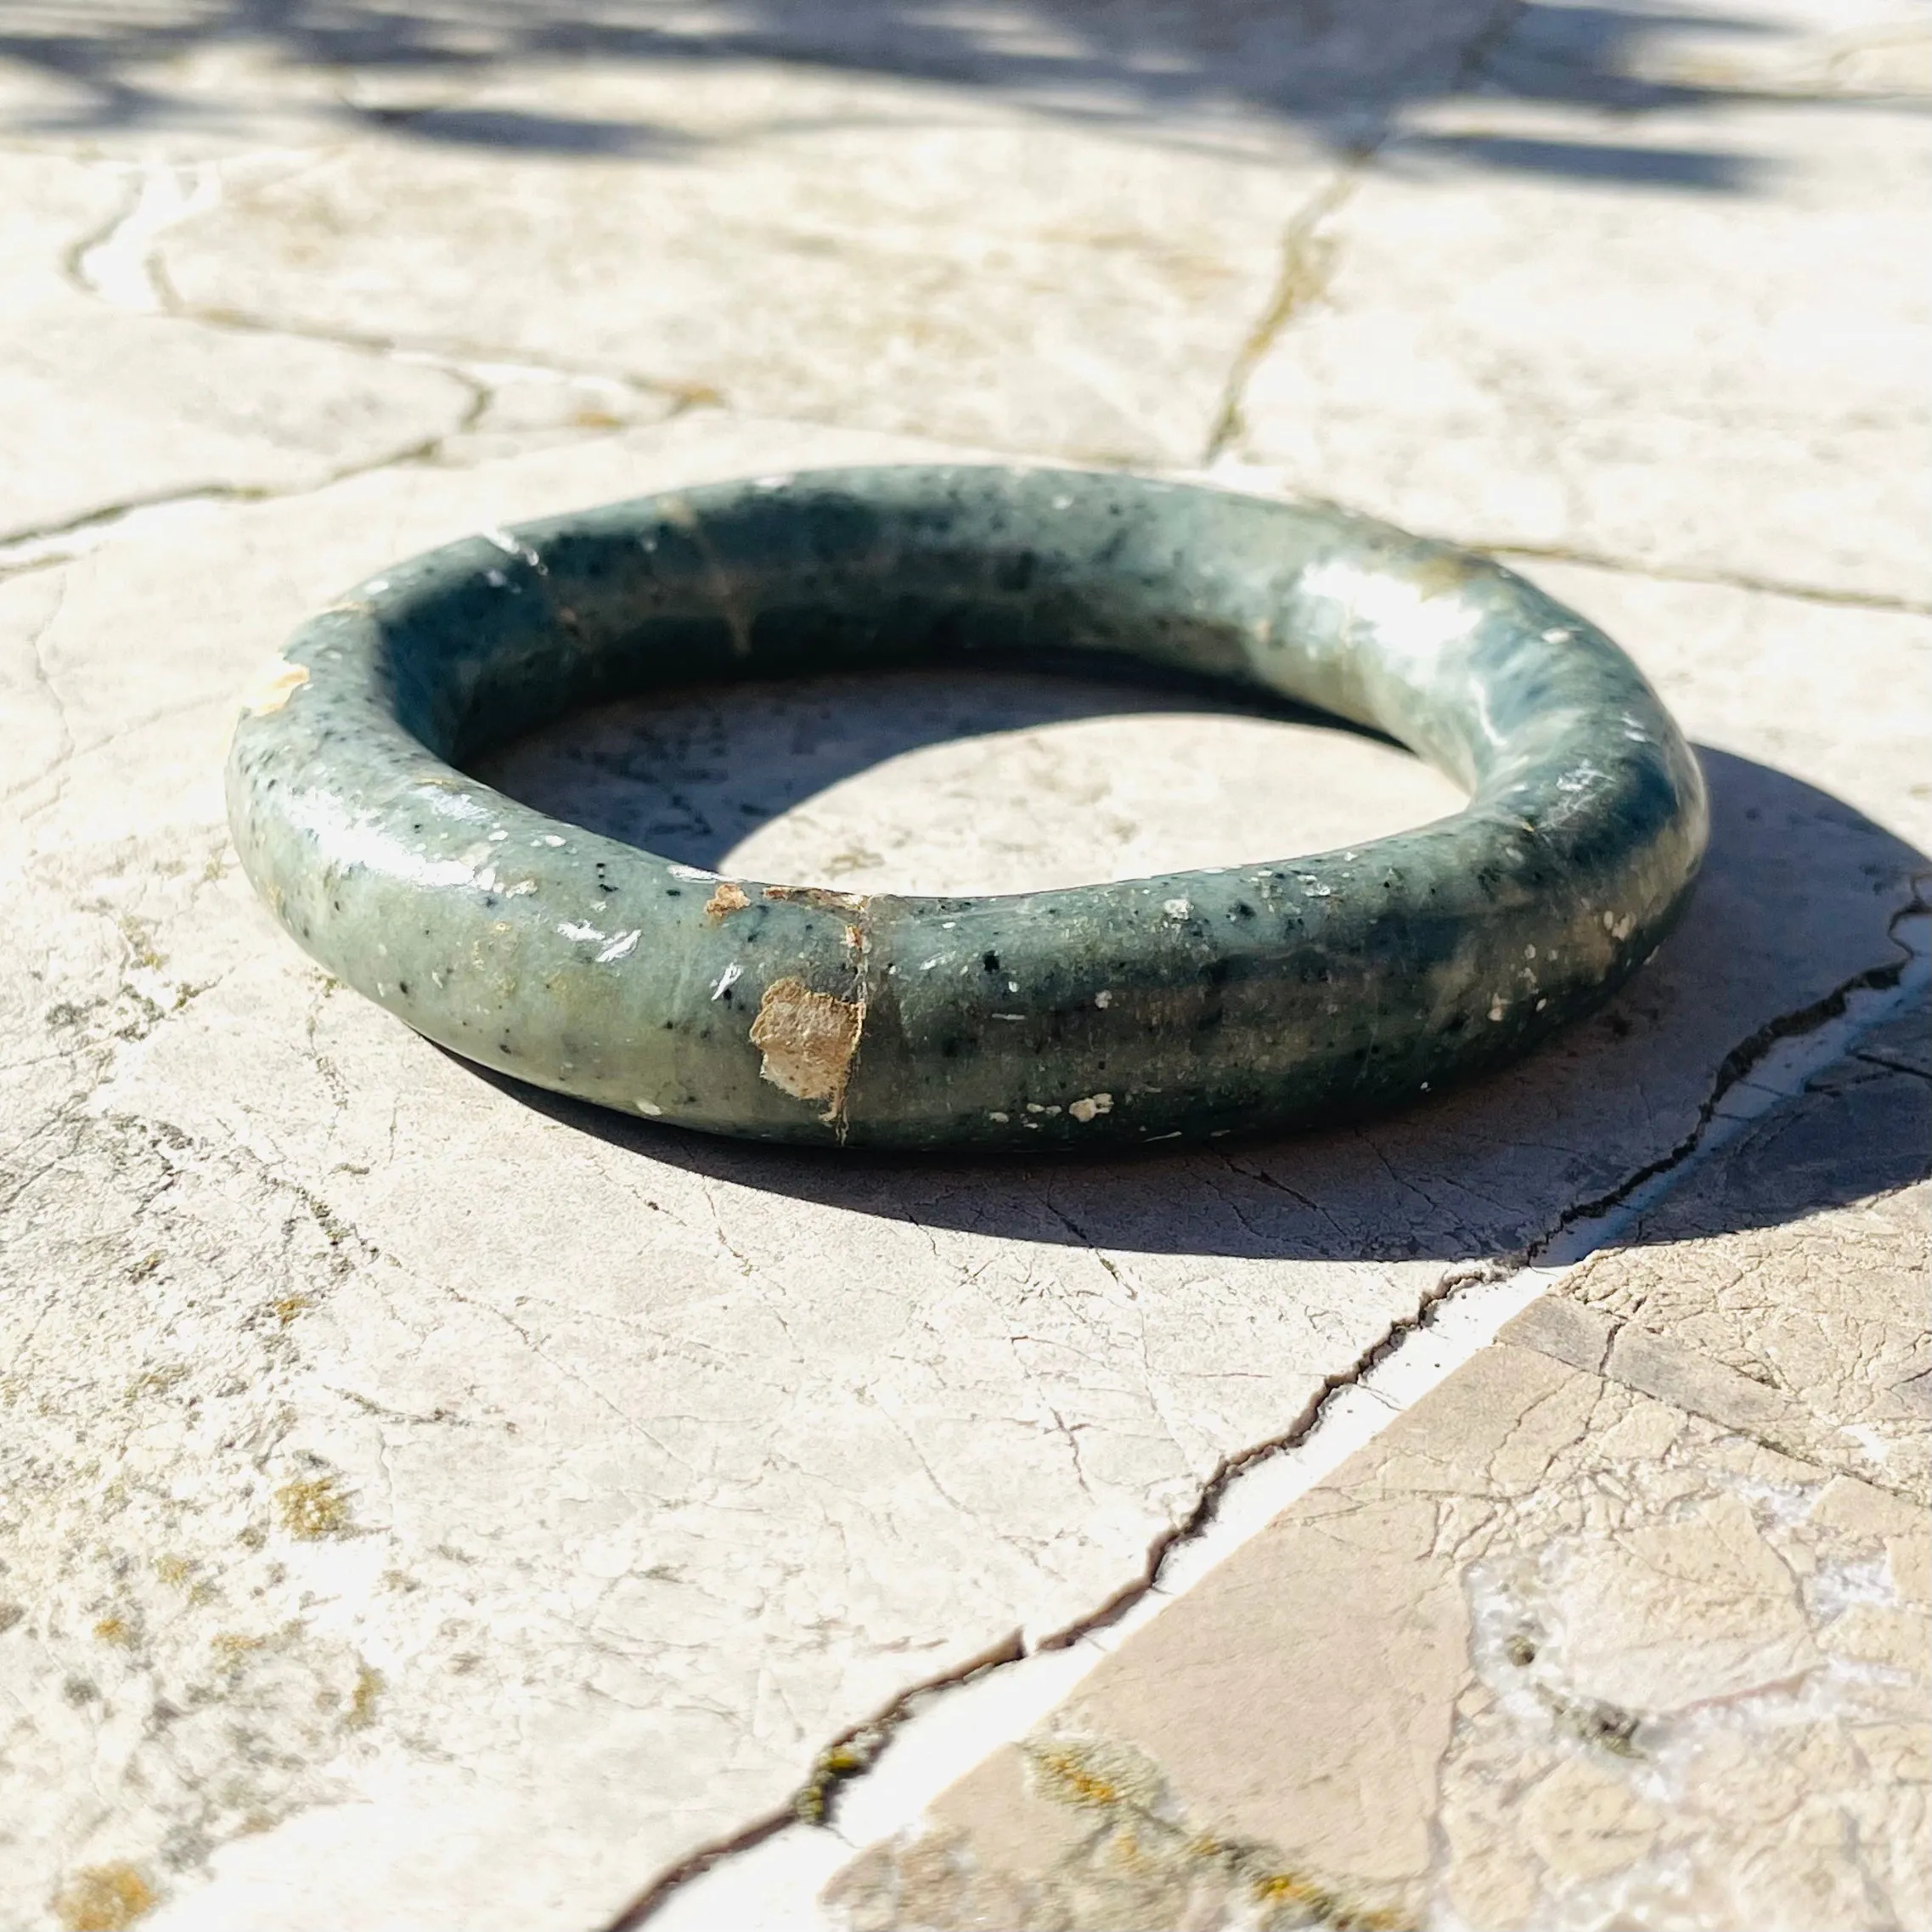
1309	990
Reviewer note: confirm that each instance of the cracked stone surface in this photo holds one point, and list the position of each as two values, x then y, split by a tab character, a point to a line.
1556	1654
1578	1640
1024	284
427	1502
1813	1338
107	409
453	1472
1637	356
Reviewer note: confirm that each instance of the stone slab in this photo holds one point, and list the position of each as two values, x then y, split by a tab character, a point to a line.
931	261
1814	1339
1707	51
1622	1620
1550	1653
165	72
431	1498
1689	339
107	409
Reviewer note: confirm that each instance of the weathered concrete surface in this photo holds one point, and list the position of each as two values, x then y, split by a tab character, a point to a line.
424	1507
1577	1641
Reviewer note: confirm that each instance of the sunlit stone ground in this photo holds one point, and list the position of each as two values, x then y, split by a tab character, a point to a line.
426	1503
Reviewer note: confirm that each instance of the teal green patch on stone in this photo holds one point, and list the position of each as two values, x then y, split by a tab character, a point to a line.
1227	1000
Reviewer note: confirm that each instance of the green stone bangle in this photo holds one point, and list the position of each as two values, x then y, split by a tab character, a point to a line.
1203	1003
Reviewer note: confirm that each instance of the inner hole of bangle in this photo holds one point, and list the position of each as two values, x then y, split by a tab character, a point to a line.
942	781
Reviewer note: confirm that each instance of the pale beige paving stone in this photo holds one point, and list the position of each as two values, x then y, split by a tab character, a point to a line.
1824	1324
1707	50
928	260
592	1478
1690	338
104	409
1549	1653
1738	1640
147	73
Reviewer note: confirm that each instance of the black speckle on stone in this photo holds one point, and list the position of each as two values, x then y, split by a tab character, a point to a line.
1173	601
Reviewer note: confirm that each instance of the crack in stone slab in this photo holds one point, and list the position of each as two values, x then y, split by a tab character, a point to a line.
1308	256
1730	580
857	1750
118	263
1739	1061
1307	265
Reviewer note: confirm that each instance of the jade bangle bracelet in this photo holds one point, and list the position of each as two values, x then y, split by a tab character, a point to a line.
1239	999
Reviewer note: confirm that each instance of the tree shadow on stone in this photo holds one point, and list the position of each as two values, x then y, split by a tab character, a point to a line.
1337	73
1795	909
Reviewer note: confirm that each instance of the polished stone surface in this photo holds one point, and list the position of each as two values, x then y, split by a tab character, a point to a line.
1309	990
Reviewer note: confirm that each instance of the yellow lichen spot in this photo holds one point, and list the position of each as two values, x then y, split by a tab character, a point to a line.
1317	1905
1284	1888
289	1306
313	1507
174	1571
1096	1776
234	1643
730	897
103	1898
361	1712
114	1630
139	938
